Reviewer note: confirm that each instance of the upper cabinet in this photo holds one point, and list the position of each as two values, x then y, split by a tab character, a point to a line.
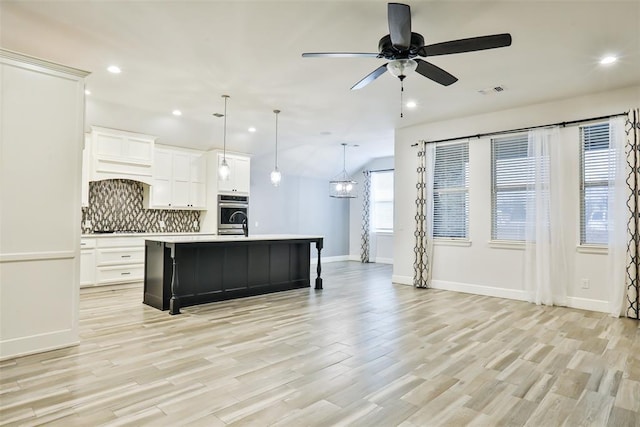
121	154
238	182
178	180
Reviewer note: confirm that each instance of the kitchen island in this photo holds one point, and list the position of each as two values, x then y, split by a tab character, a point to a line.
182	271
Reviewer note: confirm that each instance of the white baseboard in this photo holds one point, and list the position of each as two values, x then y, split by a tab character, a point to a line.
402	280
384	260
588	304
314	261
489	291
515	294
24	346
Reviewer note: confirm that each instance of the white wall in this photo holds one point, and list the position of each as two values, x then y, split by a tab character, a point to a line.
300	205
381	244
481	268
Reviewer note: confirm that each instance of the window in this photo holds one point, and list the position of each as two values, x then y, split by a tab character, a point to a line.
382	201
511	171
451	191
594	170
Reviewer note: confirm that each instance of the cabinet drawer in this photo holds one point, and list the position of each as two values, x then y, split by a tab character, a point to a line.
120	274
87	243
120	256
120	242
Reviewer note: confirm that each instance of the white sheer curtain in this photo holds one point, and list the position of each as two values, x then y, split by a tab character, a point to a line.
545	266
617	216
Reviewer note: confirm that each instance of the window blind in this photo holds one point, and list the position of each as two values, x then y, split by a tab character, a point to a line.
511	172
594	186
382	200
451	191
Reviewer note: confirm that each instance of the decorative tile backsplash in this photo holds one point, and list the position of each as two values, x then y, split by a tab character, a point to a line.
116	204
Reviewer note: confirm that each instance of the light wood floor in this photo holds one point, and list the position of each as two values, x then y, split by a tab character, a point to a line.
360	352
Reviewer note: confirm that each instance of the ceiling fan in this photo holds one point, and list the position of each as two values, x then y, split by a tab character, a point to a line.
401	46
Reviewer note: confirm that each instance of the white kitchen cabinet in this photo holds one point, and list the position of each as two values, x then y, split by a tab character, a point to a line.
238	182
119	260
121	154
178	180
87	262
42	127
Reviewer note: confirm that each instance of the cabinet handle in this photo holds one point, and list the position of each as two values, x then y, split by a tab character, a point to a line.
125	273
83	244
126	256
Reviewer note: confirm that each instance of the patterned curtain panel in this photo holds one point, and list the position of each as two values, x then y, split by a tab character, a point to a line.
366	217
632	151
423	249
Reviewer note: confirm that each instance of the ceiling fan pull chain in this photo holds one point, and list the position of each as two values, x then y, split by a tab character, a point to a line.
401	98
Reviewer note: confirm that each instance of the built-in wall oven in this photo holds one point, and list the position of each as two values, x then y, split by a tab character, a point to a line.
228	205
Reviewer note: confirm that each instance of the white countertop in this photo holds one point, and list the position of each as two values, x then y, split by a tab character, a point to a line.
217	238
103	235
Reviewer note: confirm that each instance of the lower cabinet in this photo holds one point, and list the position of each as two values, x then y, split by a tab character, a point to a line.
87	262
114	260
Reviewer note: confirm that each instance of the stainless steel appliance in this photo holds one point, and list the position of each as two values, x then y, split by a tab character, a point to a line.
227	205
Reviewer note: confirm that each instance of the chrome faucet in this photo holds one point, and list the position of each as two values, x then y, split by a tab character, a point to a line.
245	226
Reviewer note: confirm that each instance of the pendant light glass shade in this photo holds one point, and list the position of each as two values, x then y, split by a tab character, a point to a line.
276	176
342	186
223	168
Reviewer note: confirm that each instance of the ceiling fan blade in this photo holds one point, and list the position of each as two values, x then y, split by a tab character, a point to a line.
339	55
434	73
466	45
370	77
399	16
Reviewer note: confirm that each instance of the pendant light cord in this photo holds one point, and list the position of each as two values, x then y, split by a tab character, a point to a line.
277	112
224	134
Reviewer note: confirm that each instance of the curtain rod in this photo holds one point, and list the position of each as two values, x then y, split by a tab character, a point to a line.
381	170
502	132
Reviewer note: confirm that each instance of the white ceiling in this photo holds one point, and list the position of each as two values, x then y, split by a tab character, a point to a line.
185	55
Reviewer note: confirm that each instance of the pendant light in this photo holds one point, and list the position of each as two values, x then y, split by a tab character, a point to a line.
276	176
342	186
223	169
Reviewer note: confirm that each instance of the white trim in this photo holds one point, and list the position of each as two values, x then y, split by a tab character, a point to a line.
402	280
513	294
490	291
314	261
442	241
22	346
507	244
588	304
383	232
592	249
40	65
384	260
37	256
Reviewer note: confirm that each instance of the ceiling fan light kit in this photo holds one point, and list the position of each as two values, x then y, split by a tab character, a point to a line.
342	186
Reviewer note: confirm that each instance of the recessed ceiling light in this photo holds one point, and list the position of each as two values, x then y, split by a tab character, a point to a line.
87	92
412	104
114	69
177	112
610	59
251	129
